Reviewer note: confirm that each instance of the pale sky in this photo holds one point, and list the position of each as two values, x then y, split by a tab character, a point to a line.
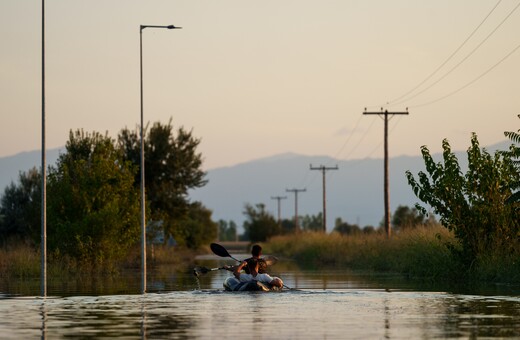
258	78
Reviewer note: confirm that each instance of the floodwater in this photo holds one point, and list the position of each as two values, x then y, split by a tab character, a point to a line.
321	305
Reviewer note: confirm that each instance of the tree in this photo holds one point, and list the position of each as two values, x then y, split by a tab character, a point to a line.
472	205
92	204
405	217
260	225
514	153
227	231
196	228
346	228
20	208
172	167
312	222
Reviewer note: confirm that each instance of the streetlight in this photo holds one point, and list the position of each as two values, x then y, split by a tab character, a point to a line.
143	223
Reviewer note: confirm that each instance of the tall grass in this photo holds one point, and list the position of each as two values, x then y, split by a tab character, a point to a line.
24	261
420	252
19	261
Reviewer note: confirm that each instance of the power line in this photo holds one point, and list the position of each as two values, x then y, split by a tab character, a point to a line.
449	58
469	83
463	60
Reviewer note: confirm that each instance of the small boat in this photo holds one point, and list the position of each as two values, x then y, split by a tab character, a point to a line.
232	284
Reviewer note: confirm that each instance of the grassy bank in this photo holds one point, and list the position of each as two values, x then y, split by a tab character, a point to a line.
23	261
419	253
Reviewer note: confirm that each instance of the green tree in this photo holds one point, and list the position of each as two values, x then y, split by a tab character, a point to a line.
260	224
227	230
514	153
172	166
92	204
346	228
405	217
20	208
472	205
195	228
312	222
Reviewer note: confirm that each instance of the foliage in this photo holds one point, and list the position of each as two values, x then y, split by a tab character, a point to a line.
346	228
406	217
419	253
306	223
20	208
194	229
514	153
172	167
227	231
92	205
260	224
472	205
312	222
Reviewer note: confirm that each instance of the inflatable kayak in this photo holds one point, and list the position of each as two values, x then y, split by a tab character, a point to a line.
231	284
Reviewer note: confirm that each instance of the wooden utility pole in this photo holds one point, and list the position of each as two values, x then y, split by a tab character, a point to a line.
323	170
385	114
279	198
296	191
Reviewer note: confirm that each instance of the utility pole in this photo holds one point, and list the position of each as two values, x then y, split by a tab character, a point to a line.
385	113
279	198
296	191
323	170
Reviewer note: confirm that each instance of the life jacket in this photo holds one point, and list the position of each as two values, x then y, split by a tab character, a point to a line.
262	266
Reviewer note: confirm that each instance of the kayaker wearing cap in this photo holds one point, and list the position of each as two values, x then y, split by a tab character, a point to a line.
252	265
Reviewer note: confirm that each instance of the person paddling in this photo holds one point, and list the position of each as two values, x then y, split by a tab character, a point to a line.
252	265
256	252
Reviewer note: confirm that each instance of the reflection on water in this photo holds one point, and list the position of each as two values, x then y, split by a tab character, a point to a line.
291	314
327	304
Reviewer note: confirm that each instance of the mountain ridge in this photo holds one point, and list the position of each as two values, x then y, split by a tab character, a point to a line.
354	192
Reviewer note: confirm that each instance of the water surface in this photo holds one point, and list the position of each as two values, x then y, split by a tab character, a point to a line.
324	305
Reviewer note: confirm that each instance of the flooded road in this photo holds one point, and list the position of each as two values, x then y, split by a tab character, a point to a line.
321	305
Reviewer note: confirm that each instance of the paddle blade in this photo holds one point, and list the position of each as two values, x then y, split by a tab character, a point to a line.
200	270
270	260
219	250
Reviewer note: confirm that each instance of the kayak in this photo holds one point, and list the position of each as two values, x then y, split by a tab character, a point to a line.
232	284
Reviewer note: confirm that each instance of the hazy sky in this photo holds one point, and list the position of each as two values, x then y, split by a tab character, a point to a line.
257	78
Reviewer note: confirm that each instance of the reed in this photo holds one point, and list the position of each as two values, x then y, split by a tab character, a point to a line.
23	261
19	261
420	252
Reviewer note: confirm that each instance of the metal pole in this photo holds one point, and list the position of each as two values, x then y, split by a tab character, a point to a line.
324	200
143	210
142	160
44	173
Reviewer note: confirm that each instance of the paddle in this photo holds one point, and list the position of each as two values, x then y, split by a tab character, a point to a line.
222	252
219	250
203	270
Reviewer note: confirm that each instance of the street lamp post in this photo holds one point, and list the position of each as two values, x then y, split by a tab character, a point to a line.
43	274
143	217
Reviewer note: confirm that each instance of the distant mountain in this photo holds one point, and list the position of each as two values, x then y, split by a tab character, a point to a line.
354	192
11	166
